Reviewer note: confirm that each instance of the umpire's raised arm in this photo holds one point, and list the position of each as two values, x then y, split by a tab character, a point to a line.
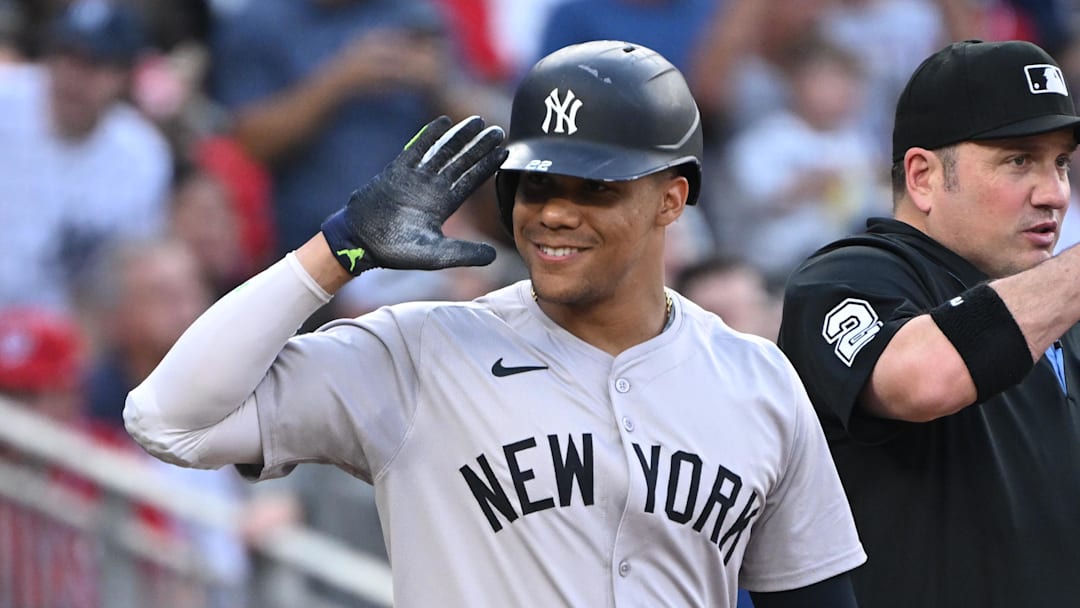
196	408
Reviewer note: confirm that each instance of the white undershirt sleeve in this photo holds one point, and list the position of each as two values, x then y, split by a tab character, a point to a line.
197	408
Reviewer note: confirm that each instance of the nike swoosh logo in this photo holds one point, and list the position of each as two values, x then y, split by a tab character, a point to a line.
500	371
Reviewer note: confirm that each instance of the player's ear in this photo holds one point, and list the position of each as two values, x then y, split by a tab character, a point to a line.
674	190
921	168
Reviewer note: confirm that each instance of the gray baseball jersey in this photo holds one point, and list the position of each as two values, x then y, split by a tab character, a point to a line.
516	465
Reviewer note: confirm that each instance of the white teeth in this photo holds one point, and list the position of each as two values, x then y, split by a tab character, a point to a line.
558	252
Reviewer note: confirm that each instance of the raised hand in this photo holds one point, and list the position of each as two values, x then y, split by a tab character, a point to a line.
395	220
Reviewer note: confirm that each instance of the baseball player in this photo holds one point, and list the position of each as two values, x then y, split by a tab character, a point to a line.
583	438
940	346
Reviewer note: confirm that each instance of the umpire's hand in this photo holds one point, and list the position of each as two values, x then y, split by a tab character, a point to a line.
395	220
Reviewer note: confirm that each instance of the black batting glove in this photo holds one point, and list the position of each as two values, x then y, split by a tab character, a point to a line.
395	220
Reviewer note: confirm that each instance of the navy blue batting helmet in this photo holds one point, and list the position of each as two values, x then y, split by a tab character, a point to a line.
603	110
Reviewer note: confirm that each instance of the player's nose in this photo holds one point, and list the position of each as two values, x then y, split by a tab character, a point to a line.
559	211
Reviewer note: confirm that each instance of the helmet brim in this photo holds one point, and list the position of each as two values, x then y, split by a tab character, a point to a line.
587	160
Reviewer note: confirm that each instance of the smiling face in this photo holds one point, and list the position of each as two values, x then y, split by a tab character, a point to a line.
588	242
1003	207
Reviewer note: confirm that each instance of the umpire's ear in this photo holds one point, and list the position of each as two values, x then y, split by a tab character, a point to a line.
923	173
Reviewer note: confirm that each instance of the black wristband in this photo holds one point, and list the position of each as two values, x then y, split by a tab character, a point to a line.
351	254
984	332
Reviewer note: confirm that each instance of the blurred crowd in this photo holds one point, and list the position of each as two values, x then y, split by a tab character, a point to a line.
154	154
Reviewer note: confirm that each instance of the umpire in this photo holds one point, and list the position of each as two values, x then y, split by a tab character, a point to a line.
940	347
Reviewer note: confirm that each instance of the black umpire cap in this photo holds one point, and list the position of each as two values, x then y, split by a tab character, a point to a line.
975	90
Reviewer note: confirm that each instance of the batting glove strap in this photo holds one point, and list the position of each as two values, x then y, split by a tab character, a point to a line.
349	251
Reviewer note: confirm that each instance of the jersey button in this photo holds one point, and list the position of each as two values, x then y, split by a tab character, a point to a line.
624	569
622	385
628	424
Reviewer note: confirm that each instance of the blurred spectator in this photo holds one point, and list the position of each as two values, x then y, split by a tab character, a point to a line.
738	68
12	27
169	89
169	84
45	563
517	28
888	38
220	209
472	23
248	186
1069	60
804	176
691	240
81	166
42	355
1070	67
1044	22
670	27
738	71
203	217
1049	21
332	502
174	23
34	19
1070	224
328	500
735	291
141	295
323	91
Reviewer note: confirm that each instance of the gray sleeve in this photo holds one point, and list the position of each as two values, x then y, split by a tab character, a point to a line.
806	532
344	395
196	408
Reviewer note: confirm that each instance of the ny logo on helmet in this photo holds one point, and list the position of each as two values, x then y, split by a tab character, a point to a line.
565	112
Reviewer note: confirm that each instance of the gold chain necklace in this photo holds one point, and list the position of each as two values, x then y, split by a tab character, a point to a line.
668	305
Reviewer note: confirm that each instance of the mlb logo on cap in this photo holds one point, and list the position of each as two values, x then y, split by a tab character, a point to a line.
1045	78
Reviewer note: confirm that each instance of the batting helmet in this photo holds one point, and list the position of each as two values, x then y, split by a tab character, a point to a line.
603	110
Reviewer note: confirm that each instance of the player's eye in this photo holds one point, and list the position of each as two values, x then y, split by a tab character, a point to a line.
536	179
595	186
535	187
